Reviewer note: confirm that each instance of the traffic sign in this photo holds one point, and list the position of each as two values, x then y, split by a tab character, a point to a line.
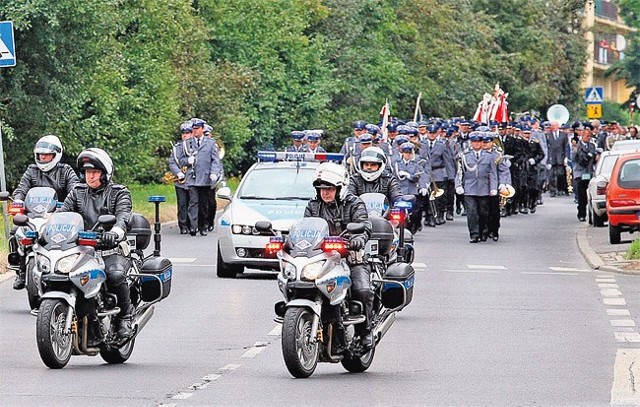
7	45
594	94
594	111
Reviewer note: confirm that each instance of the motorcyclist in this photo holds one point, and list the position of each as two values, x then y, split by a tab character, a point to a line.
335	204
99	195
372	176
47	171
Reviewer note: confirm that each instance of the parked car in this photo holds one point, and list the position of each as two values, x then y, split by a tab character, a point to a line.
626	145
596	192
623	196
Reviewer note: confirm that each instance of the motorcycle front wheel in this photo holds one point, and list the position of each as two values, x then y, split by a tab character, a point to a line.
32	288
54	344
299	347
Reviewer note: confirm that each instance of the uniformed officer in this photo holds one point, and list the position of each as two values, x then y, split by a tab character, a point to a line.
504	181
557	144
211	199
298	142
532	156
477	180
413	181
583	155
350	148
178	165
439	157
313	141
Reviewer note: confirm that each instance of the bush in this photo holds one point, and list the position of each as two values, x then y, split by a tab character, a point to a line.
634	251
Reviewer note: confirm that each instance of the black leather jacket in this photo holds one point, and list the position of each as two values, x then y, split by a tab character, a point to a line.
339	213
386	184
111	199
62	178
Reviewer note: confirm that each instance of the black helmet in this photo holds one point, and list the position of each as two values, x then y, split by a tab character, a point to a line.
95	158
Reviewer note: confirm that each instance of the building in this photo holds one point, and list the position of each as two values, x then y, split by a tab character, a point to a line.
606	35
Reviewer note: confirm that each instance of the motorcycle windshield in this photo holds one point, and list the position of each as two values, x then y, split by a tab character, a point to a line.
307	235
375	202
40	201
61	230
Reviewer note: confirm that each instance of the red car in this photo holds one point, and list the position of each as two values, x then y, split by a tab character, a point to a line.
623	197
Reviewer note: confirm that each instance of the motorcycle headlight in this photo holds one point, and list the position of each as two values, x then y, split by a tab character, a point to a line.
288	270
43	264
312	271
65	264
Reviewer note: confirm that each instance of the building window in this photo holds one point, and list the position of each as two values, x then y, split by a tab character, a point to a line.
605	49
607	9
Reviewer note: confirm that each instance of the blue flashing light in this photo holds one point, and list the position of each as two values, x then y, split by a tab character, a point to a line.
157	198
274	156
276	239
403	205
31	234
87	235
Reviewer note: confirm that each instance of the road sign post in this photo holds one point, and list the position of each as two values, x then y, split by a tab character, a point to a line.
7	59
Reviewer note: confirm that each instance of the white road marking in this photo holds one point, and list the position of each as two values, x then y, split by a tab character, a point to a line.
485	267
198	265
605	280
604	276
229	367
182	396
182	259
614	301
473	271
545	273
211	377
276	331
623	322
617	312
626	373
607	285
198	386
568	269
610	292
632	337
255	350
419	265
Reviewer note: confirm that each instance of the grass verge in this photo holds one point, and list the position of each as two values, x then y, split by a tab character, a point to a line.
634	251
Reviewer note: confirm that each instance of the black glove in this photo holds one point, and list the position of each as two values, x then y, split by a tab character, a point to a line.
109	240
357	243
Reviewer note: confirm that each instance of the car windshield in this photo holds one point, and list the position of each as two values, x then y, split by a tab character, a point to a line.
278	183
629	177
607	165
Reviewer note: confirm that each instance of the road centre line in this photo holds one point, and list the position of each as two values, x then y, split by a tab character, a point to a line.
255	350
568	269
473	271
485	267
276	331
548	273
181	260
182	396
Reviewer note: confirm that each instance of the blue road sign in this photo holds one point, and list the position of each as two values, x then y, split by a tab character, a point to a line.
594	95
7	44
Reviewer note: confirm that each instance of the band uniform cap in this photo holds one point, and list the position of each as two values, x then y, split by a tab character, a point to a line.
359	125
407	147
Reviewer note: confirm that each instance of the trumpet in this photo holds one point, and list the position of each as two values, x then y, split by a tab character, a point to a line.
504	196
170	178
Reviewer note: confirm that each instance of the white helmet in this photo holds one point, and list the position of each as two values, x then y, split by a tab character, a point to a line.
96	158
48	145
372	155
331	174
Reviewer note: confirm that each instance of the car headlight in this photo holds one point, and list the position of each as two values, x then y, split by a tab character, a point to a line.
288	270
244	230
236	229
312	271
65	264
43	263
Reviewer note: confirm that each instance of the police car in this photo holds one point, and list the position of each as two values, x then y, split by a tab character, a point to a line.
275	189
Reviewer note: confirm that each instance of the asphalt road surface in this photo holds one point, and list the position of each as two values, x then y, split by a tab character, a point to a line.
522	321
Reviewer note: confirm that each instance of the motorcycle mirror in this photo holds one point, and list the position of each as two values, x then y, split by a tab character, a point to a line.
20	220
4	196
107	221
263	226
355	228
224	193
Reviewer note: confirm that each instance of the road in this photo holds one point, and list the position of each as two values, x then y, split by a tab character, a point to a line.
522	321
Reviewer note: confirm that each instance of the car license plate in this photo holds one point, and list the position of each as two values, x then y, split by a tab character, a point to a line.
586	177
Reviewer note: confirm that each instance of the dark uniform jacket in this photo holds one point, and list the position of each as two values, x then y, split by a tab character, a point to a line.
111	199
62	178
339	213
386	184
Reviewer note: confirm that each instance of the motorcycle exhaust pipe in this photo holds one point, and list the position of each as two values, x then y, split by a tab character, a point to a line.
382	329
144	318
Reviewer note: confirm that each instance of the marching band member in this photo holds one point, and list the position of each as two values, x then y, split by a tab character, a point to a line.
413	181
504	181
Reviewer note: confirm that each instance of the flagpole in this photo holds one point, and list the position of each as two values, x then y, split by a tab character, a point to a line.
415	112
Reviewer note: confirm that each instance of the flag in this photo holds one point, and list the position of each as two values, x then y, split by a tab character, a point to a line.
482	113
498	107
385	112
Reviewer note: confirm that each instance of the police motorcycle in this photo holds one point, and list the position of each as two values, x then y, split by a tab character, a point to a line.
38	204
76	314
317	315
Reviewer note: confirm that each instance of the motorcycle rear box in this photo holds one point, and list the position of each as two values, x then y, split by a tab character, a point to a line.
382	231
140	229
392	293
163	269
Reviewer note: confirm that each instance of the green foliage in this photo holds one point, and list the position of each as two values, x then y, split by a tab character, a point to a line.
629	68
634	251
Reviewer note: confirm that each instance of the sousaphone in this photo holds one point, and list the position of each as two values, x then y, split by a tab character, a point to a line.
558	113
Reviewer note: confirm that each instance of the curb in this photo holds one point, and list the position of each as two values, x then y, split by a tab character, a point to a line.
591	257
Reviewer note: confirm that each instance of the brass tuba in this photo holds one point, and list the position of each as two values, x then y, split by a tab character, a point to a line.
170	178
504	196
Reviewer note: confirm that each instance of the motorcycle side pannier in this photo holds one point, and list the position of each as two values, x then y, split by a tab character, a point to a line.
382	231
163	269
392	293
139	229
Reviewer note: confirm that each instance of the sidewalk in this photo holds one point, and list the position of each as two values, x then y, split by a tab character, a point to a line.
601	255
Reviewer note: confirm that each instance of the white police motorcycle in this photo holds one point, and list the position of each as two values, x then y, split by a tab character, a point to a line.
76	312
318	317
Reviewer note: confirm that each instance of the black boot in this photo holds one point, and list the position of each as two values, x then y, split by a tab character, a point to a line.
18	284
449	216
124	329
440	220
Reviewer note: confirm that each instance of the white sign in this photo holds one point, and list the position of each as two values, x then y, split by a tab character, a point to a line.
594	95
7	45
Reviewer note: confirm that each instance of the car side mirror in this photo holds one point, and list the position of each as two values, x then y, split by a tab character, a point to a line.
224	193
263	226
356	228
